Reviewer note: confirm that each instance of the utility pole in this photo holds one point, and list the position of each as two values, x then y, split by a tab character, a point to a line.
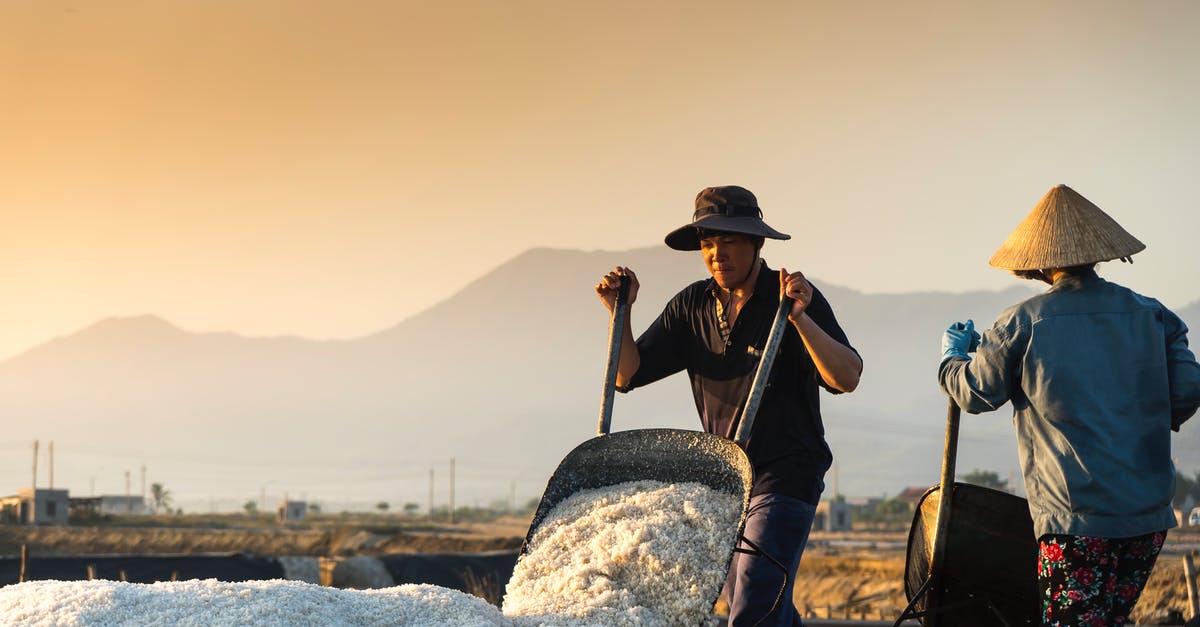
143	485
51	464
128	494
430	495
452	490
35	453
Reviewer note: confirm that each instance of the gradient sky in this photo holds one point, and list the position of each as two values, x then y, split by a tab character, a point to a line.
326	169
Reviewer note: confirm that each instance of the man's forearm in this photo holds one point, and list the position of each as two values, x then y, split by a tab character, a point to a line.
838	365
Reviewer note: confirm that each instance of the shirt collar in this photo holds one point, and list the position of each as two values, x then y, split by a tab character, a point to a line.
1075	279
767	278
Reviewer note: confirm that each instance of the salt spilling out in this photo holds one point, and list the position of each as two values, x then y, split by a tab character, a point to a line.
637	553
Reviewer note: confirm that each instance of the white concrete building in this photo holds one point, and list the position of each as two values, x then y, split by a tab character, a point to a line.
832	516
117	504
35	506
289	511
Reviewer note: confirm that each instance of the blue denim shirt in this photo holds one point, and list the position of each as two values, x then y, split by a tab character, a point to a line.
1098	375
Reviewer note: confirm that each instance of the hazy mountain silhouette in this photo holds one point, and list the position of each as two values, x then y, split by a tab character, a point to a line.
505	376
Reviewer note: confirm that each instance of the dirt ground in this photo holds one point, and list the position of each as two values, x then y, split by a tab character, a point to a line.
857	575
868	582
312	542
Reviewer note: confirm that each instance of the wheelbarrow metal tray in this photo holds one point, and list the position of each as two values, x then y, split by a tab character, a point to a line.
667	455
990	562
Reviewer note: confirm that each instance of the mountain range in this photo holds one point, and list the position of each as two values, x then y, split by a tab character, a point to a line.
505	377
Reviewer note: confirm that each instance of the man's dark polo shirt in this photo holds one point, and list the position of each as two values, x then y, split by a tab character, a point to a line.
787	445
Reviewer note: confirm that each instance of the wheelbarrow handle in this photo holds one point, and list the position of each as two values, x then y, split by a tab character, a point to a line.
941	533
946	499
616	327
763	374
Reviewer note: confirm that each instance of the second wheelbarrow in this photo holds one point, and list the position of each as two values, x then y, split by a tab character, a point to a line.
972	554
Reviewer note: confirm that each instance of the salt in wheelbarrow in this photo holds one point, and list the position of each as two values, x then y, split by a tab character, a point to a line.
666	455
972	555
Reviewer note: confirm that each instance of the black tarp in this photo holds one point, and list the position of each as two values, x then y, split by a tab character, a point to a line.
144	568
459	571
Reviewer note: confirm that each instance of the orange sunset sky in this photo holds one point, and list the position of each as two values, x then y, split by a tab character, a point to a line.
326	169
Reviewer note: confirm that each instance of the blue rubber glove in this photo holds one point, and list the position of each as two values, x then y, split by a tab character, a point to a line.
959	339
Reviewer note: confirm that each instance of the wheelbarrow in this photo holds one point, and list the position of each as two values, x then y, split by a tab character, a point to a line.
972	554
666	455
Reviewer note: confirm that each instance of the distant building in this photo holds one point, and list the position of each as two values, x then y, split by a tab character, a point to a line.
35	506
118	504
912	495
1187	514
289	511
865	504
832	516
84	505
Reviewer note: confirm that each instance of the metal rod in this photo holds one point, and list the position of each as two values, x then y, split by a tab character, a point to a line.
616	332
1189	577
763	374
945	500
24	563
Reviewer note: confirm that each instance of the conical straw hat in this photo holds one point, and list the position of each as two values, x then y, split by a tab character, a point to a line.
1063	230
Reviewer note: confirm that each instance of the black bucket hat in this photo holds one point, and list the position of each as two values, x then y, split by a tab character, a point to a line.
726	209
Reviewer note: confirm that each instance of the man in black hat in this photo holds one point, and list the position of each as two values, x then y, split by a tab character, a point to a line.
715	329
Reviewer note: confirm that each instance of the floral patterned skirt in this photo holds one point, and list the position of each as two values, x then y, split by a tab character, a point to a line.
1094	581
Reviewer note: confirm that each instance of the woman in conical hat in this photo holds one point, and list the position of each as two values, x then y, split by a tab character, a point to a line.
1098	376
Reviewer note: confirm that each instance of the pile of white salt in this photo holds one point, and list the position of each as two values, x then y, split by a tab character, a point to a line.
271	603
637	553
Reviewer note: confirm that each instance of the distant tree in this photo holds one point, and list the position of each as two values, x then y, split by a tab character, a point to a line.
411	508
892	513
161	497
894	507
382	506
985	478
250	506
314	508
1185	487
